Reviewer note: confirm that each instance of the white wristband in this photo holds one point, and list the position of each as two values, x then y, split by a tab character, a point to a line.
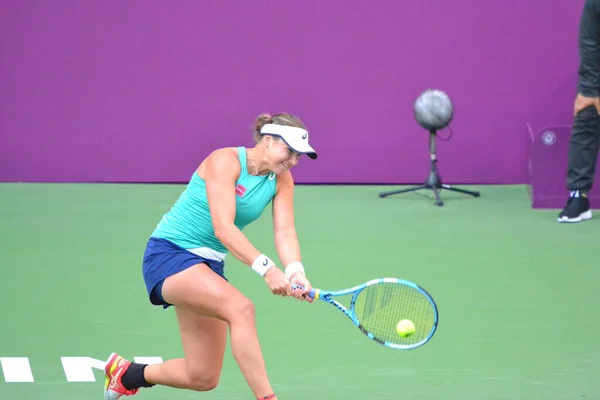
262	264
292	268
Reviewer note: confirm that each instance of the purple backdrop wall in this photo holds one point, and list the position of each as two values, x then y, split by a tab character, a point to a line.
142	91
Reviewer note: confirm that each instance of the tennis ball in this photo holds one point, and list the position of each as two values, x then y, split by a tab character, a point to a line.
405	328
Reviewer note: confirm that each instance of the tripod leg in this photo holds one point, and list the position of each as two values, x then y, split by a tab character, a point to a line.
413	189
438	200
453	189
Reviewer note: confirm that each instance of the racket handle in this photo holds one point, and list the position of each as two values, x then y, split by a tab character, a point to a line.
311	294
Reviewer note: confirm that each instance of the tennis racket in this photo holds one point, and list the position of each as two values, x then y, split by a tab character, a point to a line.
378	305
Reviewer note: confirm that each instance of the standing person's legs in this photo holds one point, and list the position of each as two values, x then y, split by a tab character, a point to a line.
583	154
583	150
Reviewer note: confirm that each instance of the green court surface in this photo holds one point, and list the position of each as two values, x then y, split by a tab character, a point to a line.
515	290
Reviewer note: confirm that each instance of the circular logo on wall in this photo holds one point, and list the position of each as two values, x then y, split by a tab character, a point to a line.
548	138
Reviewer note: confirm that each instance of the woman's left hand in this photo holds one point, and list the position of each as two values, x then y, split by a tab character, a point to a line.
301	294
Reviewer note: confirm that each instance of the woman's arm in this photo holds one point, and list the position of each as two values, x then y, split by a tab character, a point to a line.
221	172
286	239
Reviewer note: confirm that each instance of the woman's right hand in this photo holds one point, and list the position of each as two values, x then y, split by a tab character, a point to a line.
278	282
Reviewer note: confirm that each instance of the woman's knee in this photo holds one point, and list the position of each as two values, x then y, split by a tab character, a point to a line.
241	311
200	381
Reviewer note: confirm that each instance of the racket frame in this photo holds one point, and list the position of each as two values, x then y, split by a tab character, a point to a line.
327	296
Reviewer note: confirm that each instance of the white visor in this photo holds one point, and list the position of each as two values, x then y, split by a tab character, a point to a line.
295	138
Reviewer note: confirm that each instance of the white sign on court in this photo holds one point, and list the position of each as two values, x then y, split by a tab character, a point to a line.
76	369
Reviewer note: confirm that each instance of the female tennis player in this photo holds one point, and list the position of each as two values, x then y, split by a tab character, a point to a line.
183	263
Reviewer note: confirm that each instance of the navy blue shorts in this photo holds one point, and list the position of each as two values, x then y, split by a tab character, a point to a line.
164	258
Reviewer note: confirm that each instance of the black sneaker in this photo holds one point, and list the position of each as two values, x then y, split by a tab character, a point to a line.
577	209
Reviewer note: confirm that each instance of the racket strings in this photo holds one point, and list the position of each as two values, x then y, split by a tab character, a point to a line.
380	307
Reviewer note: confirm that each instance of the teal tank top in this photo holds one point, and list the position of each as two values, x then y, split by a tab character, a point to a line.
188	223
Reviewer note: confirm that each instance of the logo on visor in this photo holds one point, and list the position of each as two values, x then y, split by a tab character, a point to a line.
305	136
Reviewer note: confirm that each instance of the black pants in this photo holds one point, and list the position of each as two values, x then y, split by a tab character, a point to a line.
583	150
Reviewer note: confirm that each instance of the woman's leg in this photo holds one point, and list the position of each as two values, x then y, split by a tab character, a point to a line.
199	290
205	304
204	340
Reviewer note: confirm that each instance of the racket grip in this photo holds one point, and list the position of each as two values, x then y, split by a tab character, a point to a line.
310	294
